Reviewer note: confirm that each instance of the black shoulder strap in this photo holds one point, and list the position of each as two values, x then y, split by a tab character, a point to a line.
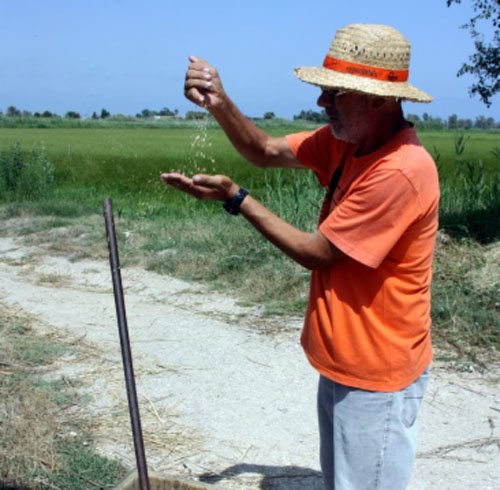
334	181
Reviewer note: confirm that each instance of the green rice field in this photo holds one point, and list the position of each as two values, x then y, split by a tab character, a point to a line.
130	160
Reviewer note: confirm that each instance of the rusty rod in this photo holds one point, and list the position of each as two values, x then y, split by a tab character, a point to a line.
128	367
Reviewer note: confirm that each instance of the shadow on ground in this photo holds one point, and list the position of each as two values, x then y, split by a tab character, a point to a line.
273	477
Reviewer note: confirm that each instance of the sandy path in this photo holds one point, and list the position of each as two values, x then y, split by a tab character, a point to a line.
218	396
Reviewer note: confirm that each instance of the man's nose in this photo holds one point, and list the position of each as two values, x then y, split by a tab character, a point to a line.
323	100
327	99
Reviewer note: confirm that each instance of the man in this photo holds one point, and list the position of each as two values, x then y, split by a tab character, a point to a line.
366	328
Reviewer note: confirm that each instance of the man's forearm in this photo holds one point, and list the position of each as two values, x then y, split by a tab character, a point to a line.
311	250
245	136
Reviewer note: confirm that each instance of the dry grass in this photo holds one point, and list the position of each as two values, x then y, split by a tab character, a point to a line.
75	238
28	434
28	427
54	280
43	434
488	276
465	295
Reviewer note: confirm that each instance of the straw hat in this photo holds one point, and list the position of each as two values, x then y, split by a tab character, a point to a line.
367	58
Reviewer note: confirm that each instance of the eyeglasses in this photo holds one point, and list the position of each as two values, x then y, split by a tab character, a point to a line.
332	93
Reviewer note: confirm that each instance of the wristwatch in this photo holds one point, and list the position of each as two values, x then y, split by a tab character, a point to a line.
232	206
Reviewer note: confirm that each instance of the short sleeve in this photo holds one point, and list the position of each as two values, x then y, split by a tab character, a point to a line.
368	222
318	150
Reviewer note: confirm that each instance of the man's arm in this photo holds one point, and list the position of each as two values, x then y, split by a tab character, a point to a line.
204	87
311	250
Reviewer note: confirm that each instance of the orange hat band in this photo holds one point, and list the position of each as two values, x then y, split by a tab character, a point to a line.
366	71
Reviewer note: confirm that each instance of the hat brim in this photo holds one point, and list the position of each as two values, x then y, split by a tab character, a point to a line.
323	77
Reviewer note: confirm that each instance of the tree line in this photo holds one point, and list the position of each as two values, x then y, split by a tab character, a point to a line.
425	121
165	112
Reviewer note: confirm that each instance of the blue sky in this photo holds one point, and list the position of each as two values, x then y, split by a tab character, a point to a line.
126	55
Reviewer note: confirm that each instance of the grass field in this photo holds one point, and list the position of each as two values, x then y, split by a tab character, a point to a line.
125	163
477	146
131	159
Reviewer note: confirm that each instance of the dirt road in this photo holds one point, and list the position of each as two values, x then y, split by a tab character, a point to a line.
223	396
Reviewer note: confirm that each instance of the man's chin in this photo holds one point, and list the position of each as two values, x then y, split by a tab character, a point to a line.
338	133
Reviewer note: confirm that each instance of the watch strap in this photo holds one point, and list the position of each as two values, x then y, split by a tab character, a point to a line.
232	206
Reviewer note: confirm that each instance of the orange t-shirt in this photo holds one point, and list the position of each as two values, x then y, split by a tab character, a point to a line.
368	321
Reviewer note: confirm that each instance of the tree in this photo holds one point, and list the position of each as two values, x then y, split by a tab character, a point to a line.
72	115
13	111
483	122
167	112
490	123
94	115
317	117
269	115
485	62
413	118
146	113
464	124
105	114
196	115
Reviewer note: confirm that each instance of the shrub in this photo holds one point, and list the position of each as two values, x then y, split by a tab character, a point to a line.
470	196
12	165
24	178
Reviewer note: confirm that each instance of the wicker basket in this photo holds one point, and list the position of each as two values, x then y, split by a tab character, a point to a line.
161	482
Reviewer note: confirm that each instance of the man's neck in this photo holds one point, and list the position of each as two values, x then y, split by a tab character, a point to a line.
382	134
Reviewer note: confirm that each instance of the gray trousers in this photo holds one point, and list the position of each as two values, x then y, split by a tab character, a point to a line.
368	440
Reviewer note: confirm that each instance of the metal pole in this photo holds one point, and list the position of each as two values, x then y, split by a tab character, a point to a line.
128	367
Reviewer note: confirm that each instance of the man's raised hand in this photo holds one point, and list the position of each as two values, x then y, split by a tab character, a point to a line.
203	85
